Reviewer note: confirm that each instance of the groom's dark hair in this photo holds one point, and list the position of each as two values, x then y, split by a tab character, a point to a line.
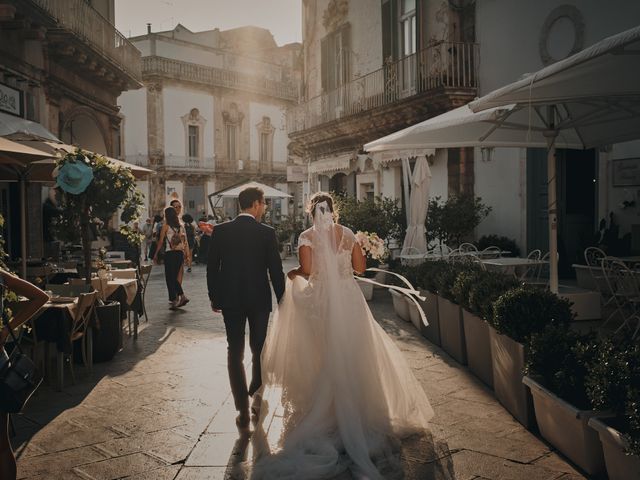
250	195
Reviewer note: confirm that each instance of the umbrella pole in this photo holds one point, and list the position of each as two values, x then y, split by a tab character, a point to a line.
23	226
553	214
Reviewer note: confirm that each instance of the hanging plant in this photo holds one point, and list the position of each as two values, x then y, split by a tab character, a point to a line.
93	189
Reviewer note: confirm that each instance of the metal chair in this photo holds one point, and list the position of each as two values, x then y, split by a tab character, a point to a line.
625	292
467	248
593	257
490	252
529	273
145	273
80	330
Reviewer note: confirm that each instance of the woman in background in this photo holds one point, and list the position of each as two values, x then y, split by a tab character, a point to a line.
177	250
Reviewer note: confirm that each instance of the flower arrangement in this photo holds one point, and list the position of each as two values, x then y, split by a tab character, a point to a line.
93	189
373	247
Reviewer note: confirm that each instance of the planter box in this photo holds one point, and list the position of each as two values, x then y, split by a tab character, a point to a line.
430	307
507	358
451	330
565	427
620	466
367	290
414	313
478	345
400	305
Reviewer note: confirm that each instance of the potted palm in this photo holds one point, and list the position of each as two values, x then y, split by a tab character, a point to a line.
558	362
613	383
518	314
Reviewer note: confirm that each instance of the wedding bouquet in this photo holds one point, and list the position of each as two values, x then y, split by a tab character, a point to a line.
372	246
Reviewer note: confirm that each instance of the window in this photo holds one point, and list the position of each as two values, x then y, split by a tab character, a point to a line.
264	147
335	58
193	141
408	27
230	138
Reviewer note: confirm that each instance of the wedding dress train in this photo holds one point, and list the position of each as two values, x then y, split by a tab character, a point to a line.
346	389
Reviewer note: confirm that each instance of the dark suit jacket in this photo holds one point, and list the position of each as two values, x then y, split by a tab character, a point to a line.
241	254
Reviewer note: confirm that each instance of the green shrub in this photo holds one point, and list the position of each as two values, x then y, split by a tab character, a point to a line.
428	273
384	216
613	383
464	284
503	243
488	287
562	358
526	310
453	221
446	278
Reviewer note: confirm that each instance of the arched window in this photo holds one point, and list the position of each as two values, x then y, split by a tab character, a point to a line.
265	144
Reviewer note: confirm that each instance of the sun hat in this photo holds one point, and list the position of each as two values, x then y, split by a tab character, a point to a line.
74	177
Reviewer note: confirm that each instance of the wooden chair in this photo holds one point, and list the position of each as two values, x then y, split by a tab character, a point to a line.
145	273
80	330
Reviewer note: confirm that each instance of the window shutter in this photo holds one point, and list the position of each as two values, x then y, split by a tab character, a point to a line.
386	31
345	54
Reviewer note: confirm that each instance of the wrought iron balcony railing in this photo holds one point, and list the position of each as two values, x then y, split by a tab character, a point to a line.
85	22
179	70
447	64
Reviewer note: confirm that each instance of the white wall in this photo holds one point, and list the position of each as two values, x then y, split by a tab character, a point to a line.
143	186
277	115
500	183
365	18
211	188
610	197
179	101
508	32
390	178
185	53
439	176
134	108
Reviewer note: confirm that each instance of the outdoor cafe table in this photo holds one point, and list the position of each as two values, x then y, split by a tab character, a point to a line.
508	265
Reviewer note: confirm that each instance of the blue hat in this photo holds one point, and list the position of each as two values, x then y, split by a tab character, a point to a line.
74	177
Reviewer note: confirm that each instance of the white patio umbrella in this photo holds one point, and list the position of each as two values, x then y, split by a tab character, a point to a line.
415	238
578	102
269	192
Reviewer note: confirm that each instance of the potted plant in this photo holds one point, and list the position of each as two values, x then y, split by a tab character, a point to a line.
613	384
450	313
453	221
427	274
517	315
93	189
558	361
503	243
476	330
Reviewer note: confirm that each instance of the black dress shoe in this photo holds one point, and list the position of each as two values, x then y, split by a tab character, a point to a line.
243	420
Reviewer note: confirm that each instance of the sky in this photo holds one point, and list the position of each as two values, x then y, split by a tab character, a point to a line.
281	17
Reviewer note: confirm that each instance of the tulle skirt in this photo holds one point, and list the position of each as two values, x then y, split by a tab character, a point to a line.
345	389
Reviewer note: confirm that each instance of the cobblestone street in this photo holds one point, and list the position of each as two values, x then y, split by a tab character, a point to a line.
162	409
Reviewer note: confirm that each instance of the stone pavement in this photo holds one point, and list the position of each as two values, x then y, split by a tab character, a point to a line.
162	409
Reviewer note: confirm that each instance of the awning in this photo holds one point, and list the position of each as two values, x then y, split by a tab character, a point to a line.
332	165
16	153
385	158
10	125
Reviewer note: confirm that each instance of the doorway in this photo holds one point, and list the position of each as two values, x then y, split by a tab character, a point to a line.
577	200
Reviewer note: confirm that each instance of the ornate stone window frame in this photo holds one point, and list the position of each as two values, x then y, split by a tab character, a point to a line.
265	128
572	14
232	118
194	119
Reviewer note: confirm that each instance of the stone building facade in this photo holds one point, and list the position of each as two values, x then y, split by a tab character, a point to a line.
211	114
373	67
64	64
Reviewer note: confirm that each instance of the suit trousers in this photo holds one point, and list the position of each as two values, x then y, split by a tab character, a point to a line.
235	323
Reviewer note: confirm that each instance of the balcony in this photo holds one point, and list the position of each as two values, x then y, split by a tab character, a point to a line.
210	166
211	76
445	68
82	21
253	167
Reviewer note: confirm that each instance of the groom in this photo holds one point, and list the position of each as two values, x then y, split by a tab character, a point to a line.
241	254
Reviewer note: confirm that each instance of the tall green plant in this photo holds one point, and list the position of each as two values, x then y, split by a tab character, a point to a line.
113	187
453	221
383	216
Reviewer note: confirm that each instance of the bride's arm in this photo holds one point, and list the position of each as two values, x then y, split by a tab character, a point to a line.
358	262
304	254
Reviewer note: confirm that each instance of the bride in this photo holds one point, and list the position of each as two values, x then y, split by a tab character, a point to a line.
344	386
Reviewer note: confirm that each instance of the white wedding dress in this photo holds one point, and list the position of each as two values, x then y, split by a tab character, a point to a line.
345	388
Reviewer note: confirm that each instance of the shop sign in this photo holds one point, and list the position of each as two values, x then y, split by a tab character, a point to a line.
10	100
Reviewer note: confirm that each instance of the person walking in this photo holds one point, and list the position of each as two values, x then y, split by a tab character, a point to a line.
36	298
177	250
243	256
191	239
147	231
